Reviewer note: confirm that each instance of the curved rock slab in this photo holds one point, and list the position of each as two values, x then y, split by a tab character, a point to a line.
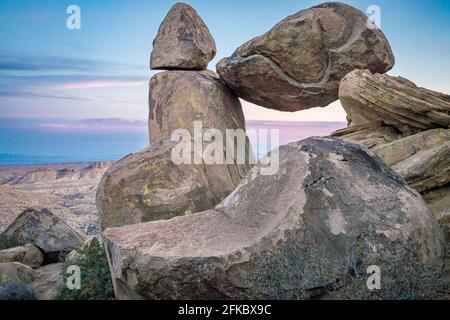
179	98
183	41
43	229
427	170
395	101
298	64
332	206
148	186
401	149
370	135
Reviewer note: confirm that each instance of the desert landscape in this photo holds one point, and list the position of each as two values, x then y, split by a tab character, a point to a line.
66	189
360	214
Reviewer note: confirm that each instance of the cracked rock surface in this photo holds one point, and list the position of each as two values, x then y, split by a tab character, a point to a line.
183	41
407	126
298	64
397	102
331	206
148	186
179	98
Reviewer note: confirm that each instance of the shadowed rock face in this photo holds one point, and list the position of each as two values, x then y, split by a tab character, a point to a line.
44	230
183	41
148	186
178	98
330	203
298	64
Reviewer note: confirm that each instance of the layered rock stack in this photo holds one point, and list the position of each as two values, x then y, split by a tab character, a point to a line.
407	126
148	186
331	210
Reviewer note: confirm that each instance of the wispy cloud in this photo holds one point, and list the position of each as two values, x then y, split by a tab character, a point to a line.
13	62
66	87
89	125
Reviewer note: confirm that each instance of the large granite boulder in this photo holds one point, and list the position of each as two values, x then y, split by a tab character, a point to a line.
44	230
298	64
178	98
16	272
183	41
45	281
148	186
27	254
332	210
48	281
395	101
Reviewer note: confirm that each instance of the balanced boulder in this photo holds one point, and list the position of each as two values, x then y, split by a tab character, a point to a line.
179	98
332	210
183	41
44	230
298	64
148	186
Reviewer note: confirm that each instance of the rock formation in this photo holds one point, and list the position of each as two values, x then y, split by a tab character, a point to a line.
45	280
44	230
16	272
148	186
407	126
280	236
183	41
395	101
27	254
48	281
298	64
178	98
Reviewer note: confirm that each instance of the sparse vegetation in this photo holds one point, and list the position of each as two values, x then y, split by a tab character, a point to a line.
17	291
403	276
96	281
